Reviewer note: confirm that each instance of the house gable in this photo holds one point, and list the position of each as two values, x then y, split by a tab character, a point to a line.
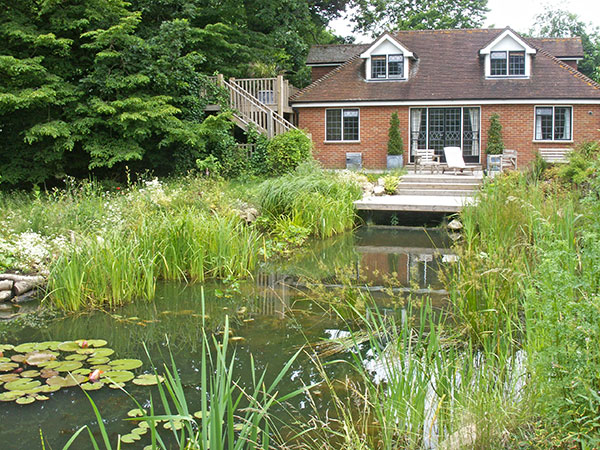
508	56
386	59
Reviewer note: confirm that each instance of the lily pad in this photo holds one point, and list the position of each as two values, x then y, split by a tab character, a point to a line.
30	373
25	400
82	371
118	376
50	345
129	438
41	398
39	357
92	386
67	381
125	364
98	360
76	357
17	358
199	415
26	347
48	373
7	367
6	347
116	385
22	385
100	352
4	359
85	351
10	396
68	366
49	389
49	364
97	342
177	424
136	412
102	367
7	377
68	346
148	379
140	430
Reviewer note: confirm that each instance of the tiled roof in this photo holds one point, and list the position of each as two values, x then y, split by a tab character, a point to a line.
449	68
560	47
331	54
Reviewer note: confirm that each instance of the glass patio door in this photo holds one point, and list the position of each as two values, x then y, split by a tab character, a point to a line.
444	129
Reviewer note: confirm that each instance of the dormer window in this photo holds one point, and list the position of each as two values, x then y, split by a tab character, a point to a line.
508	56
507	63
387	66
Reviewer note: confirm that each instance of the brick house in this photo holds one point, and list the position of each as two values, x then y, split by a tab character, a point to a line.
445	85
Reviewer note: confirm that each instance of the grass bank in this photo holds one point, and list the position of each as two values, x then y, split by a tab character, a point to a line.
106	247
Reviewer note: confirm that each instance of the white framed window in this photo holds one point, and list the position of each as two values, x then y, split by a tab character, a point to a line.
385	67
342	125
507	64
553	123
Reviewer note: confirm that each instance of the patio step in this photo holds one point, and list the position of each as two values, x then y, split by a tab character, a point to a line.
422	185
436	192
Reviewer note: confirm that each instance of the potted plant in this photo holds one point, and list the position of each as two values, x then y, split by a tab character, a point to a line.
395	146
495	146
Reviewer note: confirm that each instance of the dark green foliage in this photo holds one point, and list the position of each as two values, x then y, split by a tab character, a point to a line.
562	23
495	144
258	160
395	144
582	164
376	16
286	151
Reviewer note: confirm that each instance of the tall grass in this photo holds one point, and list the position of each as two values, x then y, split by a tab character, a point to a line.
313	198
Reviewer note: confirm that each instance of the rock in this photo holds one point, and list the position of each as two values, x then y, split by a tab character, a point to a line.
21	287
455	225
378	191
36	279
6	307
5	296
380	182
6	285
27	297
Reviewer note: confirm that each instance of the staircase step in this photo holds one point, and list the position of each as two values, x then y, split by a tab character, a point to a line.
442	179
436	192
435	185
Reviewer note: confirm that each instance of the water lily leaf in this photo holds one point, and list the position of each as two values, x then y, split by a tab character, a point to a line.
97	342
10	396
85	351
30	373
129	438
177	424
92	386
26	347
68	366
68	346
98	360
101	352
25	400
39	357
6	347
49	389
118	376
49	345
42	398
116	385
67	381
7	367
144	425
49	364
48	373
102	367
22	384
136	412
82	371
17	358
4	359
76	357
237	339
140	430
148	379
199	415
125	364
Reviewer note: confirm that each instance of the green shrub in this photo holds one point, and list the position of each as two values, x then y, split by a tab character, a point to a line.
390	184
395	144
286	151
581	163
495	144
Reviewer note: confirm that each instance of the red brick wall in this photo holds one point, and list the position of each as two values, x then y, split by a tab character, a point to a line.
320	71
517	122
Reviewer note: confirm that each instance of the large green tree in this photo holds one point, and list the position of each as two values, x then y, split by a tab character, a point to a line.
376	16
562	23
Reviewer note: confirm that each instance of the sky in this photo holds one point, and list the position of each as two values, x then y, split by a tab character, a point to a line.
517	14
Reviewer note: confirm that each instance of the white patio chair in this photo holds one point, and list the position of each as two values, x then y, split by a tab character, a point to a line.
426	158
509	159
454	160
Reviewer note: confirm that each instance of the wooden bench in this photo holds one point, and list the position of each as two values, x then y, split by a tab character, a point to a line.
554	155
509	159
426	158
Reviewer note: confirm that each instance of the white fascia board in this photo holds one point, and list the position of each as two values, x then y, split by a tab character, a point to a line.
323	64
394	42
358	104
528	49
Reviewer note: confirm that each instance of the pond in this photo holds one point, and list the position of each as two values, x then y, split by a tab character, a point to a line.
275	314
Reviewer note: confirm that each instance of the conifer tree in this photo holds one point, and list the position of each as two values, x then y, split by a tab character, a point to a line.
395	144
495	144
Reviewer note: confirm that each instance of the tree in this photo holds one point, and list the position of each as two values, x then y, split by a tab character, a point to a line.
376	16
395	144
495	144
561	23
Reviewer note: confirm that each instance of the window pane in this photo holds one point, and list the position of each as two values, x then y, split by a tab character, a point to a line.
498	63
333	125
543	123
562	123
378	67
351	125
516	63
395	66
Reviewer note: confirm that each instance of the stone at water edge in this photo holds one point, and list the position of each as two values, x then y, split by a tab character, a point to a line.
5	296
6	285
22	287
367	188
34	279
378	191
455	225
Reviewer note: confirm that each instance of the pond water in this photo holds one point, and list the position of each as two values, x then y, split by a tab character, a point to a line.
275	313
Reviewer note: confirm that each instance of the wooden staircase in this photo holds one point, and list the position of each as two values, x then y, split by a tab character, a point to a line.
249	109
